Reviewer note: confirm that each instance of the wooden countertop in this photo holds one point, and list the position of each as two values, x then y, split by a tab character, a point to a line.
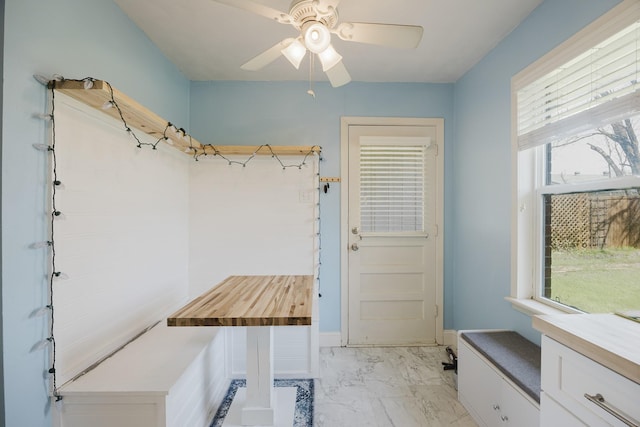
250	301
610	340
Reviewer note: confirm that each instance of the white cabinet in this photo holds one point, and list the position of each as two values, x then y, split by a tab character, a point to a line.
552	414
568	378
490	397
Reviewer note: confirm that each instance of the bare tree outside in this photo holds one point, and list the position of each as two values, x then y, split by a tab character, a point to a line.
622	144
618	148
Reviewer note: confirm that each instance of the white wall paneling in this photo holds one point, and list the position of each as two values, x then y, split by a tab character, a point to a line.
258	219
122	238
142	231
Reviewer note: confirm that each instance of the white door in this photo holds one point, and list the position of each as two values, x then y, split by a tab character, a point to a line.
394	250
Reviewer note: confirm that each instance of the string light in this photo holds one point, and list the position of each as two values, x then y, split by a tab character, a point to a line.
197	152
88	83
42	147
55	213
319	234
216	153
41	311
42	79
42	344
164	134
51	242
40	245
46	117
191	147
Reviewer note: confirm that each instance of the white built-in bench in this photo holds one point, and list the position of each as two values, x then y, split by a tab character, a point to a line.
499	378
166	377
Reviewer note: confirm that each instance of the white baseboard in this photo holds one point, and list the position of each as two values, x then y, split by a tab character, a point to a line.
330	339
334	339
450	338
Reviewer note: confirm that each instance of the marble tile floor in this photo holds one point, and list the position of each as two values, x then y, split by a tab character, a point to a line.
386	387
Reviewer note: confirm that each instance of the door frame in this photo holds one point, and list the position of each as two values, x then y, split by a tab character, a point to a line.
345	122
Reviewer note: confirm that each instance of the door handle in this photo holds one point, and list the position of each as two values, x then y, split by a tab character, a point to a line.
354	247
355	230
598	400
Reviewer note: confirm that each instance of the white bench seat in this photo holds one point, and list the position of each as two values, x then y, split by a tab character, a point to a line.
499	378
169	376
515	356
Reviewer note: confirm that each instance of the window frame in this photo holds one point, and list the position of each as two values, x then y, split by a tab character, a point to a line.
528	186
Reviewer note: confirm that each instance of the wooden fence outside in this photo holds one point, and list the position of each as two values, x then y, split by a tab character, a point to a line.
595	220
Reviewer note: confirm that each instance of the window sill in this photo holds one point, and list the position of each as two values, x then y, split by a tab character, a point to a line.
531	307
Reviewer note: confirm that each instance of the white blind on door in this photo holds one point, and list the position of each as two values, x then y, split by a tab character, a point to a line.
392	188
595	88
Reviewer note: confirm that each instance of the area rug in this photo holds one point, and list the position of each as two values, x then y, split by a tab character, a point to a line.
303	416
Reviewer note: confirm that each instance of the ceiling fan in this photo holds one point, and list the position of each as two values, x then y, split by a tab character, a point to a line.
316	20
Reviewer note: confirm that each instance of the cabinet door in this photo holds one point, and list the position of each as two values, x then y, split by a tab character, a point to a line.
517	410
478	387
552	413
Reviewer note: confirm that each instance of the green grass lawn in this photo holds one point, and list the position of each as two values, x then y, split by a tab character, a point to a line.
597	281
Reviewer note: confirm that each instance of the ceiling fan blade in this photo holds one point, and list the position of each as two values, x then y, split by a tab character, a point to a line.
259	9
338	75
266	57
391	35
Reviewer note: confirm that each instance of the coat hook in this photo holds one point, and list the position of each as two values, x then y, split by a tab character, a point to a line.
326	188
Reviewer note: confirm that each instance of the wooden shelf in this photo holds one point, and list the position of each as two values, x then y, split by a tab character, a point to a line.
286	150
139	117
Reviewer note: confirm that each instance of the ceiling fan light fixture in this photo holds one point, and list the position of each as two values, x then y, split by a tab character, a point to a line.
317	37
295	52
329	58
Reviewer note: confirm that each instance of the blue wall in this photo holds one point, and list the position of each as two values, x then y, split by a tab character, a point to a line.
477	156
78	38
481	187
283	114
75	38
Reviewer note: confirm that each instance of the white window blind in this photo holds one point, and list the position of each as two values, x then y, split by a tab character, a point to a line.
392	188
595	88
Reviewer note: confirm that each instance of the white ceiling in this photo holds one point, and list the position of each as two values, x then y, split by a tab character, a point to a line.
209	41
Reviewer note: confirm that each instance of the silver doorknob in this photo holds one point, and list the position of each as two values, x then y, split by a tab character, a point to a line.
355	230
354	247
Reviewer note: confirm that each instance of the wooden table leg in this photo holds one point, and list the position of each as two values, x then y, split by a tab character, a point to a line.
259	403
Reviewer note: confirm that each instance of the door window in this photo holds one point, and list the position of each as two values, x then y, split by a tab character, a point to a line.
392	185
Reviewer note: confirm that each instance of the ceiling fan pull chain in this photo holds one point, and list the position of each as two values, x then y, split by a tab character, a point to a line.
311	66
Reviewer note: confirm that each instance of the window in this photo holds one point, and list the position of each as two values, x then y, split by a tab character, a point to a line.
392	185
577	161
